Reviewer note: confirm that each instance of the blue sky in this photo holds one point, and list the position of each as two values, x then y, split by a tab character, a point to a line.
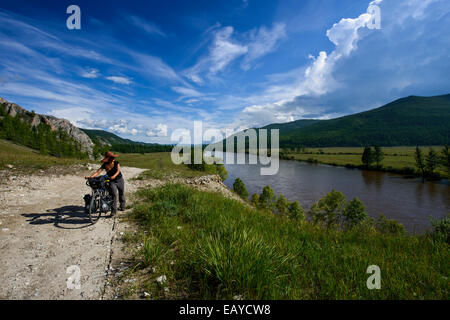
141	69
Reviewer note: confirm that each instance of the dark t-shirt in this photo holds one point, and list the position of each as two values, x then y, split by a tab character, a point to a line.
113	171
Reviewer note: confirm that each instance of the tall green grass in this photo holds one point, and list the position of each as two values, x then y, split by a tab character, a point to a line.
212	247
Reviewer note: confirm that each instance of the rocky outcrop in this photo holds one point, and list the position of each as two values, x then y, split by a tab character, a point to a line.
55	123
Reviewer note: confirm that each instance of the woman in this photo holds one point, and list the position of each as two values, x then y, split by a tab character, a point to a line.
117	183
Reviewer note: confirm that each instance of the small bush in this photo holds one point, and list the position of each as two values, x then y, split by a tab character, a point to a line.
255	200
240	189
295	211
441	229
354	212
389	226
282	205
267	198
329	209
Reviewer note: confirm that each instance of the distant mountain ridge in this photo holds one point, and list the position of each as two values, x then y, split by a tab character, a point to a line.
407	121
107	138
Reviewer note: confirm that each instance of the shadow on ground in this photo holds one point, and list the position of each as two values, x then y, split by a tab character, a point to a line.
66	217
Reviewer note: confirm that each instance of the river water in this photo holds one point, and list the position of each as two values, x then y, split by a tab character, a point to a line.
406	200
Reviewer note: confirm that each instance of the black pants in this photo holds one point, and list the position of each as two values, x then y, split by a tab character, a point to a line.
117	190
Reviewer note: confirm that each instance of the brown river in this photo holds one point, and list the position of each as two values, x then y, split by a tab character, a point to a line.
406	200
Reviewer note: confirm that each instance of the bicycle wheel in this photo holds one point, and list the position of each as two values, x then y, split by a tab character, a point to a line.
95	209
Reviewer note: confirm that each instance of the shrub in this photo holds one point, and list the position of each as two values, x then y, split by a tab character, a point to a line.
354	212
240	189
441	229
282	205
328	210
267	198
389	226
295	211
255	200
221	171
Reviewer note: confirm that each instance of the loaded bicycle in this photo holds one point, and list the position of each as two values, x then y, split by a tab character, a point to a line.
100	200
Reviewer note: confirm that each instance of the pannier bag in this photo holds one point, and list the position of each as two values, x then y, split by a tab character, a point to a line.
97	182
87	202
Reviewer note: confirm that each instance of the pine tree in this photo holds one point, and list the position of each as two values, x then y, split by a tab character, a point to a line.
420	162
267	198
367	157
240	189
445	159
378	156
431	161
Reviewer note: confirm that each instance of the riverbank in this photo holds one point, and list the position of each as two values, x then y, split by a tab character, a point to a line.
192	241
399	160
193	244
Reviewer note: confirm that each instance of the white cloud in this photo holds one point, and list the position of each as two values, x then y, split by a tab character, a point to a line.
147	26
317	78
153	66
262	42
224	50
75	115
90	74
123	127
160	131
186	92
121	80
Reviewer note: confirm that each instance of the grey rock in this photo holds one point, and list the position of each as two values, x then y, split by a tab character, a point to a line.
55	123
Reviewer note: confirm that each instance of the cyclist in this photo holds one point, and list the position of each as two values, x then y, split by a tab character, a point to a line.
117	183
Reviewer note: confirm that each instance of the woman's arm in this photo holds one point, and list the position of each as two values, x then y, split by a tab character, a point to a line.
95	174
117	173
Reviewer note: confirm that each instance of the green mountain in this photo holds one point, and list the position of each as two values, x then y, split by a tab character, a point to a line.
408	121
105	140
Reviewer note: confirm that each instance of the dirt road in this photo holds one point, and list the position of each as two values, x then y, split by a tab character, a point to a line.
46	238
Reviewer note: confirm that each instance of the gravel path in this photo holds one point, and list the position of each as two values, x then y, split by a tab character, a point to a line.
45	238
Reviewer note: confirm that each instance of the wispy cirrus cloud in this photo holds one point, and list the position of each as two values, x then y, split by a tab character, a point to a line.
147	26
119	79
262	42
90	73
228	46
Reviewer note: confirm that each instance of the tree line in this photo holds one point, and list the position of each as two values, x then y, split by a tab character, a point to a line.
426	163
49	142
331	211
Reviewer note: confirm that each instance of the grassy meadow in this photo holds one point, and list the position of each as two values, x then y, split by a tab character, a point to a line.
28	159
396	159
212	247
160	166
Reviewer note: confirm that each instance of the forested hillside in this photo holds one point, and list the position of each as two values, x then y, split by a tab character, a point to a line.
41	137
405	122
408	121
106	140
